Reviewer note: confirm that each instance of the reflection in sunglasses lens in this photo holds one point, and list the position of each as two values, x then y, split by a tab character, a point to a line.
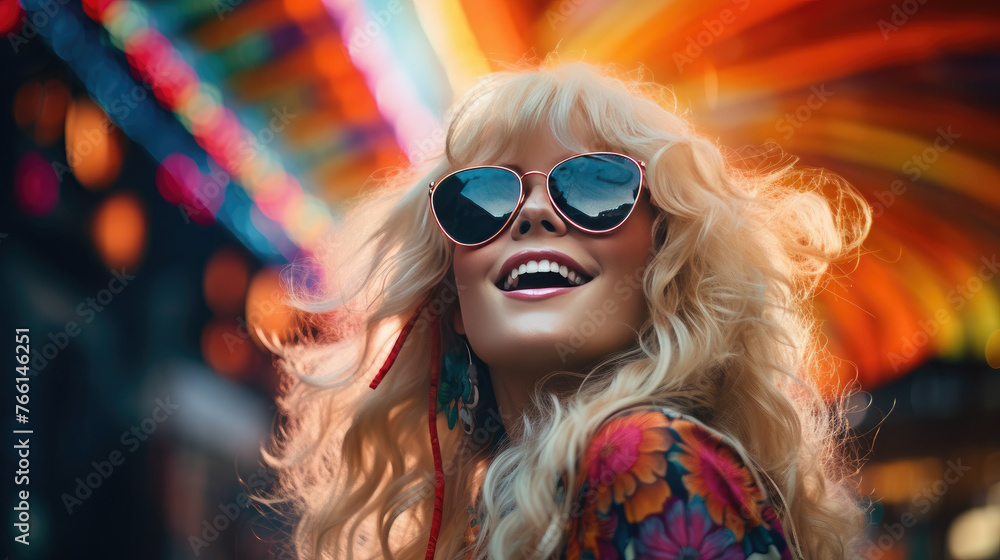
596	191
474	204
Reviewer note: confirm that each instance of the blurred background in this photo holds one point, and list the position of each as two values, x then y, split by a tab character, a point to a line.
162	161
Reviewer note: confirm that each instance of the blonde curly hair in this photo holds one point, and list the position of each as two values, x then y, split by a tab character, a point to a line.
740	250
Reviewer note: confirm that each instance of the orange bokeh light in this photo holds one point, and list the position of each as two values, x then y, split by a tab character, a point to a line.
27	101
119	231
225	349
265	307
41	110
225	283
93	145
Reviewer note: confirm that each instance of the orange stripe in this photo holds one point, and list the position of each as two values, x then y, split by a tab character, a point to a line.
495	30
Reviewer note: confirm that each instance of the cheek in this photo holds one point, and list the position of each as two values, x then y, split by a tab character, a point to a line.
468	268
470	264
626	255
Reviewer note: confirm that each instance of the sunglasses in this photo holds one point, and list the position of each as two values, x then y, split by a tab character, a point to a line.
594	191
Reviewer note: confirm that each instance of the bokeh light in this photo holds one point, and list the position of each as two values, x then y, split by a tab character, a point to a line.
226	347
119	231
975	534
93	147
36	186
40	110
181	183
10	14
55	104
96	8
225	282
173	174
27	100
265	307
993	350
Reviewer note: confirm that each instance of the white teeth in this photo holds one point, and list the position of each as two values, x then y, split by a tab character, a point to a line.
545	265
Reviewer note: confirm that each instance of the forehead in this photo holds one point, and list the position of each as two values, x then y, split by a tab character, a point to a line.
541	149
505	142
540	152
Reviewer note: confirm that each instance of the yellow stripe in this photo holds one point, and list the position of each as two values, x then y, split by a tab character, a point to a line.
449	34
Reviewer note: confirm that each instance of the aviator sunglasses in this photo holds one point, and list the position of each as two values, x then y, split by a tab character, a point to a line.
594	191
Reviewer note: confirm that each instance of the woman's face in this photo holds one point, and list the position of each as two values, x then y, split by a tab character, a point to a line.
563	328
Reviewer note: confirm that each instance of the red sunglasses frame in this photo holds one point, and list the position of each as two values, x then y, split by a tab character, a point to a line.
548	191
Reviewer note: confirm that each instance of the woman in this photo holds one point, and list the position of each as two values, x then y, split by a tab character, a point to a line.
615	315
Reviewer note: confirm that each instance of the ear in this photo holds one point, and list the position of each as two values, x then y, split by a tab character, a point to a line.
456	319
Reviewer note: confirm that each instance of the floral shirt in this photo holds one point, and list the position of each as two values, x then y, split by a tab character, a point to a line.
657	484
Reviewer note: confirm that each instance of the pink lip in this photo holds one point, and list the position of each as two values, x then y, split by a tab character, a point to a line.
533	255
533	294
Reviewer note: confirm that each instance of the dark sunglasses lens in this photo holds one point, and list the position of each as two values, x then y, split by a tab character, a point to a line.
474	204
596	191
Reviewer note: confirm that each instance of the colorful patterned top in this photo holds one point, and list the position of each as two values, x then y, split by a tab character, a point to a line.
659	484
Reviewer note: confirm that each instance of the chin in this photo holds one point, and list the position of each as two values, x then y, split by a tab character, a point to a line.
563	349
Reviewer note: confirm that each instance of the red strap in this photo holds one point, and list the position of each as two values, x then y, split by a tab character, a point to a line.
431	416
396	347
435	446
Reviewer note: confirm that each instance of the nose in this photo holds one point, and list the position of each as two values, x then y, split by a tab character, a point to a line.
536	213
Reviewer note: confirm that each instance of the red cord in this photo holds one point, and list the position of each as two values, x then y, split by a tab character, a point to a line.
396	347
435	446
431	419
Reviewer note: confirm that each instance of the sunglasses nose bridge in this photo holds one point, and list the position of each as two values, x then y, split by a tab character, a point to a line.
536	205
524	184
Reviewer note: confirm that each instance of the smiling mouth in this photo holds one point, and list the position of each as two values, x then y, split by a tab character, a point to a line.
542	274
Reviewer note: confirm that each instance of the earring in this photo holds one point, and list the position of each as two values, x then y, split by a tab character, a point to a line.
458	394
469	402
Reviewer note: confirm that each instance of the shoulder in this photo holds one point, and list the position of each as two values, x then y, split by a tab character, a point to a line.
654	480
